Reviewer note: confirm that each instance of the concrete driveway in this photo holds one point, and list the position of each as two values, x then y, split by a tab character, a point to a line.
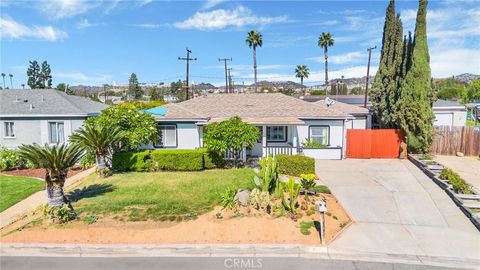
397	210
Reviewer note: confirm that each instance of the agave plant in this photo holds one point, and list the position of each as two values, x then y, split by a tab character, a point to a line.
56	160
100	141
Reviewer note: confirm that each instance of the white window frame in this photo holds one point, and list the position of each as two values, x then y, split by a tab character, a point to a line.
284	133
9	129
160	127
57	131
325	140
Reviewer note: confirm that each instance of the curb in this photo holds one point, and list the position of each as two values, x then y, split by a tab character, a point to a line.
226	250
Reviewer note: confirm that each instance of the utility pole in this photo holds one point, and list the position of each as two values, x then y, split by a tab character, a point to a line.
368	74
226	77
229	90
188	63
105	94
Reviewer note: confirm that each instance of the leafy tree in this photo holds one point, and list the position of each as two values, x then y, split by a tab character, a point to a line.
99	140
136	128
416	99
45	76
318	92
56	160
230	135
325	40
449	88
175	89
33	73
473	91
11	80
287	91
254	39
357	91
155	94
134	89
386	87
61	87
302	72
140	105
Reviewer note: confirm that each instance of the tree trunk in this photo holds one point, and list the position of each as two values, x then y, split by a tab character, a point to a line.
255	65
326	66
55	195
102	167
301	80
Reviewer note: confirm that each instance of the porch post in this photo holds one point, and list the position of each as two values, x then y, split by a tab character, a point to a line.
295	139
264	141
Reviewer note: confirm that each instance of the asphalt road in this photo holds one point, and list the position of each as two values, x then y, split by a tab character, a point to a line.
197	263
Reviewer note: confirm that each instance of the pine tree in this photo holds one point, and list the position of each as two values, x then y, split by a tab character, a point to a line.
385	90
33	73
134	89
417	95
45	78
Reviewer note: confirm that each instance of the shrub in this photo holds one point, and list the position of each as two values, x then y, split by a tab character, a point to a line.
308	143
87	161
211	160
308	182
132	161
295	165
458	184
10	159
179	160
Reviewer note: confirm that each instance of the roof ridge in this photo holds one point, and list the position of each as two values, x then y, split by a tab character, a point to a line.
187	110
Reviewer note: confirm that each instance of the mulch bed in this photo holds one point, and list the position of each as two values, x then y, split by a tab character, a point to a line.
39	173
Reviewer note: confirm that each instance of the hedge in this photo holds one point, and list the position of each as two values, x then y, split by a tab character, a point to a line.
178	160
132	161
211	160
295	165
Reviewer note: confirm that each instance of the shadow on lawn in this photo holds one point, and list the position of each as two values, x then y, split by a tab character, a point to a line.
90	191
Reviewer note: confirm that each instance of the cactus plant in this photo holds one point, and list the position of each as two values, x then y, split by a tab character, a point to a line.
289	203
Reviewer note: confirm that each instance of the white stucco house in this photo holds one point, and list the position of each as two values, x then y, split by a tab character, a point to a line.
42	116
362	116
285	123
449	113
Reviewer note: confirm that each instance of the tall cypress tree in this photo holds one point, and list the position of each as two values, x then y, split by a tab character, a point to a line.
385	91
417	96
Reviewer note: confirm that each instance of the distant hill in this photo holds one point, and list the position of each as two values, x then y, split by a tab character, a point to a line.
279	84
467	77
204	86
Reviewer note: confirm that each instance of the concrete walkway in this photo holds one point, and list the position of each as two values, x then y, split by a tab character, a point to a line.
23	207
397	210
467	167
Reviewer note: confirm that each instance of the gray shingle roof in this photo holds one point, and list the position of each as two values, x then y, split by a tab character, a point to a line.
46	102
446	103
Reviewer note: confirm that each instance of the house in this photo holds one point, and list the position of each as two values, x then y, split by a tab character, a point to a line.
356	100
42	116
362	116
449	113
285	123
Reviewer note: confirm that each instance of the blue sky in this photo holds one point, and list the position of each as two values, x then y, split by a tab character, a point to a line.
97	42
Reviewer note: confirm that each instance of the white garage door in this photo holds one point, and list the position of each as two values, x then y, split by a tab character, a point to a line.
443	119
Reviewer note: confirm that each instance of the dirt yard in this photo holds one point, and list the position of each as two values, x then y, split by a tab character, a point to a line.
244	226
38	173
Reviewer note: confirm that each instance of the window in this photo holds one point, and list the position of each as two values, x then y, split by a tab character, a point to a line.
167	136
57	132
277	134
320	134
9	130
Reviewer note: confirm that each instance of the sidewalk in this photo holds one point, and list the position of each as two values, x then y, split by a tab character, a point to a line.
225	250
467	167
16	211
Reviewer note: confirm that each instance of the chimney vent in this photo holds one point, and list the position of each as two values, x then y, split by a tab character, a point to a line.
31	106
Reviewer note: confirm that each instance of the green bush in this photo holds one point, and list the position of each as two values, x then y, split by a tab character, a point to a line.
132	161
10	159
87	161
295	165
211	160
179	160
458	184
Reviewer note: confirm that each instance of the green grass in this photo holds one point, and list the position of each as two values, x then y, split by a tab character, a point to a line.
305	227
17	188
161	196
471	123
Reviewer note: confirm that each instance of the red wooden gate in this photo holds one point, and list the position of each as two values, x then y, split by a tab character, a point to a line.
373	143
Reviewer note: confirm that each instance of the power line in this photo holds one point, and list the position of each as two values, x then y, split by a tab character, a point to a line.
225	62
188	63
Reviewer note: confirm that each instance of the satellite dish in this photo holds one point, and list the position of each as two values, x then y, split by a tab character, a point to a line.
329	101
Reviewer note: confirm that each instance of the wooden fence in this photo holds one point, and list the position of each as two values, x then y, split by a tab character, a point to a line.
450	140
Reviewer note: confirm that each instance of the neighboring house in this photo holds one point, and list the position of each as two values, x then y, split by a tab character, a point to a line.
42	116
357	100
449	113
363	117
284	122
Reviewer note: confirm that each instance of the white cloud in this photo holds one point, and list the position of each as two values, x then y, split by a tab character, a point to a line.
82	24
221	18
145	2
448	62
211	3
350	57
58	9
10	28
113	4
77	77
150	25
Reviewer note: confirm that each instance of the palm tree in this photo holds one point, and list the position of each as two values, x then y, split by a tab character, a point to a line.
3	77
99	140
11	82
302	72
326	40
56	160
254	39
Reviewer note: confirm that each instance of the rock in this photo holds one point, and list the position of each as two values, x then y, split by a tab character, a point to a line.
460	154
243	197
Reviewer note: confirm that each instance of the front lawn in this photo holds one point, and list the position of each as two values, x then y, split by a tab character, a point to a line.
17	188
156	195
